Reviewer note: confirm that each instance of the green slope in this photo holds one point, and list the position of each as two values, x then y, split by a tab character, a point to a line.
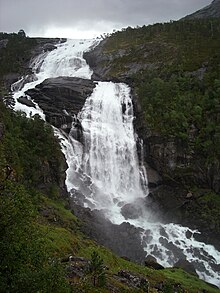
37	227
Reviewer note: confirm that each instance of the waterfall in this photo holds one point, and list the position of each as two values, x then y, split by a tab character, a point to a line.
104	172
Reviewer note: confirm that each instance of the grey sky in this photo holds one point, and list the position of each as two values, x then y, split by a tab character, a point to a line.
85	18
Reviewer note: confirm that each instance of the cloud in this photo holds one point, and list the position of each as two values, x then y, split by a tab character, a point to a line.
85	18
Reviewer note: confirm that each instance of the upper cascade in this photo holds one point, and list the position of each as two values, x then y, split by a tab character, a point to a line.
66	60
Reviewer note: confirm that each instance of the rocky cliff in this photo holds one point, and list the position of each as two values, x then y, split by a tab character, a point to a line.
212	10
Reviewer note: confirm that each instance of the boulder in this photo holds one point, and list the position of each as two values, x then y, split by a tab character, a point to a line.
152	263
131	211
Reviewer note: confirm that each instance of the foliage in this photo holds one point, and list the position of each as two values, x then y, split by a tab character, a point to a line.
177	78
16	53
96	270
27	145
25	263
28	262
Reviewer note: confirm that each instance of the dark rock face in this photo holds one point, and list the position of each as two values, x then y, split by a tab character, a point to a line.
94	58
212	10
174	160
152	263
123	239
25	101
186	266
61	98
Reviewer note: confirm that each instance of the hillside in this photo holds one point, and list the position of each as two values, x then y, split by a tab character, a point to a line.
39	231
212	10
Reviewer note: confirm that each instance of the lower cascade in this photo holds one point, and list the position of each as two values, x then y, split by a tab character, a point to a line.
104	172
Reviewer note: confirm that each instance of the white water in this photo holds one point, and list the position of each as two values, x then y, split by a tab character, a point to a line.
66	60
105	169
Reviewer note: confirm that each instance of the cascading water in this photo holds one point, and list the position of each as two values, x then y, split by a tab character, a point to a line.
105	169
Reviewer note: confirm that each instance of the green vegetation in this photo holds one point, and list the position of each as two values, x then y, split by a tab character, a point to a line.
177	78
16	53
26	264
26	148
37	229
96	270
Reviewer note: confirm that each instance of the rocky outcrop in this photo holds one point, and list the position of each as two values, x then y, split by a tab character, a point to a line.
96	57
61	99
25	101
102	61
212	10
132	281
186	266
124	239
152	263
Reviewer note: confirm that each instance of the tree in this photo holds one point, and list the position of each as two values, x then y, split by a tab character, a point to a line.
25	262
22	33
96	270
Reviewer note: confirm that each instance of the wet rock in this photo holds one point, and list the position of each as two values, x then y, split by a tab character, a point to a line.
152	263
25	101
131	211
154	179
56	96
48	47
124	239
186	266
169	200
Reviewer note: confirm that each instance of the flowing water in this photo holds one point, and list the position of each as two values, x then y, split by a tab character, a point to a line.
105	168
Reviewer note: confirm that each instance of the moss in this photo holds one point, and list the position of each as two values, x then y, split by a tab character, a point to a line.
59	241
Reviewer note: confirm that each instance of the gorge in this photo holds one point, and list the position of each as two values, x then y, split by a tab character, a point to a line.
106	172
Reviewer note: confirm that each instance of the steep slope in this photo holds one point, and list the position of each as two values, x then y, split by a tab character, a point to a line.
212	10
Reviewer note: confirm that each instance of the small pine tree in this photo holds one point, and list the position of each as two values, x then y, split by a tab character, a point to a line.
96	270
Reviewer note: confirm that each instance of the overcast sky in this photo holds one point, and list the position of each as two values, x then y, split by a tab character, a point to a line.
88	18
